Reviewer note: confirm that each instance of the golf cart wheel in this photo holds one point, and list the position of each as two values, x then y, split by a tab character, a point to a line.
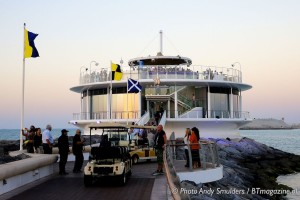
123	178
135	159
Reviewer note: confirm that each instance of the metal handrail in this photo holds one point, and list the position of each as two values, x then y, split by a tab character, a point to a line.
163	119
214	114
173	180
212	73
208	150
106	115
144	119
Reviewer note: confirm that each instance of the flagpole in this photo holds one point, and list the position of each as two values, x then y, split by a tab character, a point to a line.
127	101
23	89
110	91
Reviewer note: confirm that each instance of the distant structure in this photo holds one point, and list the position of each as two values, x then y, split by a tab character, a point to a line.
267	124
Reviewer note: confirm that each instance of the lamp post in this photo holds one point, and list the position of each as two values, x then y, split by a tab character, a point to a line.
91	65
81	73
82	68
240	73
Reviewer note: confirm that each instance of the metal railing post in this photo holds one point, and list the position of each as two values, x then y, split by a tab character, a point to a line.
190	157
212	154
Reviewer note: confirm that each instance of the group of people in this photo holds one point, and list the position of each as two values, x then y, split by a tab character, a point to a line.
141	135
35	140
155	138
95	76
191	138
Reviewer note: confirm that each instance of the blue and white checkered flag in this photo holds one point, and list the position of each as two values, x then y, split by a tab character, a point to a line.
133	86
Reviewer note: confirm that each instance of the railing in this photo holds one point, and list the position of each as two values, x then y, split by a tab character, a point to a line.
144	119
218	114
187	103
211	114
173	180
163	119
168	72
106	115
208	155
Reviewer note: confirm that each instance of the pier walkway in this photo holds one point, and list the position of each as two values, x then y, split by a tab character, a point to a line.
141	185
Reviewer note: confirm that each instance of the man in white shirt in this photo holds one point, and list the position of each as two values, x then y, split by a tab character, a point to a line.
47	140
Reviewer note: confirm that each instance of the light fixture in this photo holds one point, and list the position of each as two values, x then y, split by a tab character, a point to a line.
91	65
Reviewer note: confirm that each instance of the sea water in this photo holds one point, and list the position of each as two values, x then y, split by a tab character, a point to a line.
14	134
285	140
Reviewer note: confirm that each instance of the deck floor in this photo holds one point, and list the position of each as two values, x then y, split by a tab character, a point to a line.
139	186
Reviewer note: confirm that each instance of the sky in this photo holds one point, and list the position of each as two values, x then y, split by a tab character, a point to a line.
263	36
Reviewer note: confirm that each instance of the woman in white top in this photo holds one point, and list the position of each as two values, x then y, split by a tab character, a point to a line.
186	142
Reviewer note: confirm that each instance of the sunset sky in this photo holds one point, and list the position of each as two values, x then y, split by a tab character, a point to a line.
264	36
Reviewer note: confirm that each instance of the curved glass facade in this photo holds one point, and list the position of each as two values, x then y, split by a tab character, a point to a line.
97	104
120	103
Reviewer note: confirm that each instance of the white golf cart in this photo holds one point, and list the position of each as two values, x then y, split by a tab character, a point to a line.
112	161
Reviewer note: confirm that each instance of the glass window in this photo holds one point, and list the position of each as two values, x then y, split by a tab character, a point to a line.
122	102
219	105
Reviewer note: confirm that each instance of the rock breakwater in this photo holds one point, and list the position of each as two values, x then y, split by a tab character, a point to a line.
250	172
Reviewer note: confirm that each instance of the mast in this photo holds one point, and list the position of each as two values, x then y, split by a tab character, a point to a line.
161	41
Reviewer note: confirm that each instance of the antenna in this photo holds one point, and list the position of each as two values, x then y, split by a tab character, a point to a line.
161	41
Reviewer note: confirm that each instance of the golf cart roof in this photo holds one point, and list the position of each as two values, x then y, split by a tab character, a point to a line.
139	126
117	125
107	125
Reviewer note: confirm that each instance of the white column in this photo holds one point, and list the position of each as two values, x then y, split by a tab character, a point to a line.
169	108
87	105
176	103
240	102
148	106
81	104
108	103
231	103
140	105
208	102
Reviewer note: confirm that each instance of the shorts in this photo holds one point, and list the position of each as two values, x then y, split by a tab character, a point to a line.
159	154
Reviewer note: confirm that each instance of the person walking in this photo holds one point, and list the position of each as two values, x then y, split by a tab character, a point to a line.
77	151
63	147
47	140
160	140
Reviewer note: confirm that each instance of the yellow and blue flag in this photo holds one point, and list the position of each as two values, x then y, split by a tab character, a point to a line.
116	72
30	50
